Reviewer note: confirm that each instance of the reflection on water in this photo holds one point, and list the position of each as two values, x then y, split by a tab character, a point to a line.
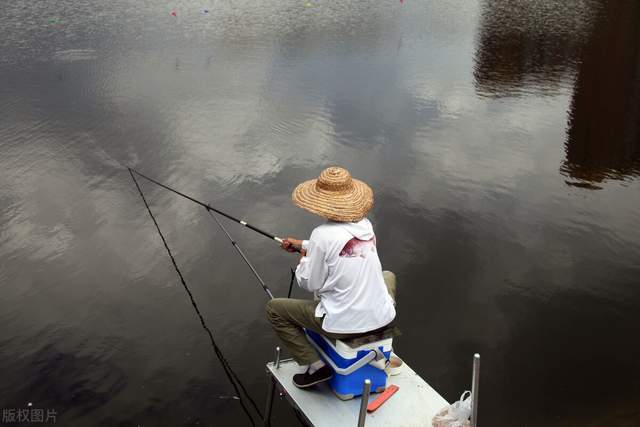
603	137
466	117
530	45
591	47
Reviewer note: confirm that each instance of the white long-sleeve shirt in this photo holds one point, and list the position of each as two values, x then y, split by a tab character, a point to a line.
342	268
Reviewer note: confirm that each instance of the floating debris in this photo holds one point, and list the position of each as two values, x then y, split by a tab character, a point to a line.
173	13
72	55
587	185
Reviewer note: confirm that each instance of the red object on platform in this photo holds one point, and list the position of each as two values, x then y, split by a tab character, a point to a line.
372	406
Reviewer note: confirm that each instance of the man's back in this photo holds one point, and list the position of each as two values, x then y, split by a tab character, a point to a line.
343	269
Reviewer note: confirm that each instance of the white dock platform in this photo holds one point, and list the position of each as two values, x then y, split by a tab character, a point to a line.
413	405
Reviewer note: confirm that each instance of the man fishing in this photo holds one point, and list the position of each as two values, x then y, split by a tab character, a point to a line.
340	265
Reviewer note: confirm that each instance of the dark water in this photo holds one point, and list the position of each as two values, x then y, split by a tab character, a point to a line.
502	140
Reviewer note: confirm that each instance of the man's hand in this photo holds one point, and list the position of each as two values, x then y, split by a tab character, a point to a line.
291	245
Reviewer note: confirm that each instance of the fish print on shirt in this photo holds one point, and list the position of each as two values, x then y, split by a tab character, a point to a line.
358	248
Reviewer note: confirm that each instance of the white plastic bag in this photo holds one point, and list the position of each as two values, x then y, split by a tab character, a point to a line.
455	415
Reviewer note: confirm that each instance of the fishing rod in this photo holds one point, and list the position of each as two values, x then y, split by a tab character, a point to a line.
231	375
235	245
210	208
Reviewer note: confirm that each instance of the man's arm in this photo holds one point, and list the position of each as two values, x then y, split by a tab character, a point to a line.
312	269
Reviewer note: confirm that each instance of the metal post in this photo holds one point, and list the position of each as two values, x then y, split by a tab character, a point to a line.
269	405
364	402
277	364
475	385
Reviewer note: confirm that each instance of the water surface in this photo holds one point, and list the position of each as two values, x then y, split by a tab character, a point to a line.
501	138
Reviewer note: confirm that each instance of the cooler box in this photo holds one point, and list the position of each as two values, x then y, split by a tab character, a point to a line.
353	365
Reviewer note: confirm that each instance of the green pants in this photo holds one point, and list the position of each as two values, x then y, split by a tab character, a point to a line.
288	317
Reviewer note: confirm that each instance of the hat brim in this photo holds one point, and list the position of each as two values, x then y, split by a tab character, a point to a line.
350	205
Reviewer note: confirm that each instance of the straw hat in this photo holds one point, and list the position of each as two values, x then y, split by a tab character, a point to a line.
335	196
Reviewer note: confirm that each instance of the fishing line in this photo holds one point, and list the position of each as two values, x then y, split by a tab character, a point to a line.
225	364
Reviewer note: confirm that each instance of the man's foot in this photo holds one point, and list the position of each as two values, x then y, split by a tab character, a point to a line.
307	380
395	365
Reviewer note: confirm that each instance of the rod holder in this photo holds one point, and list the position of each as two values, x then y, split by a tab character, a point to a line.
277	364
475	385
364	402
